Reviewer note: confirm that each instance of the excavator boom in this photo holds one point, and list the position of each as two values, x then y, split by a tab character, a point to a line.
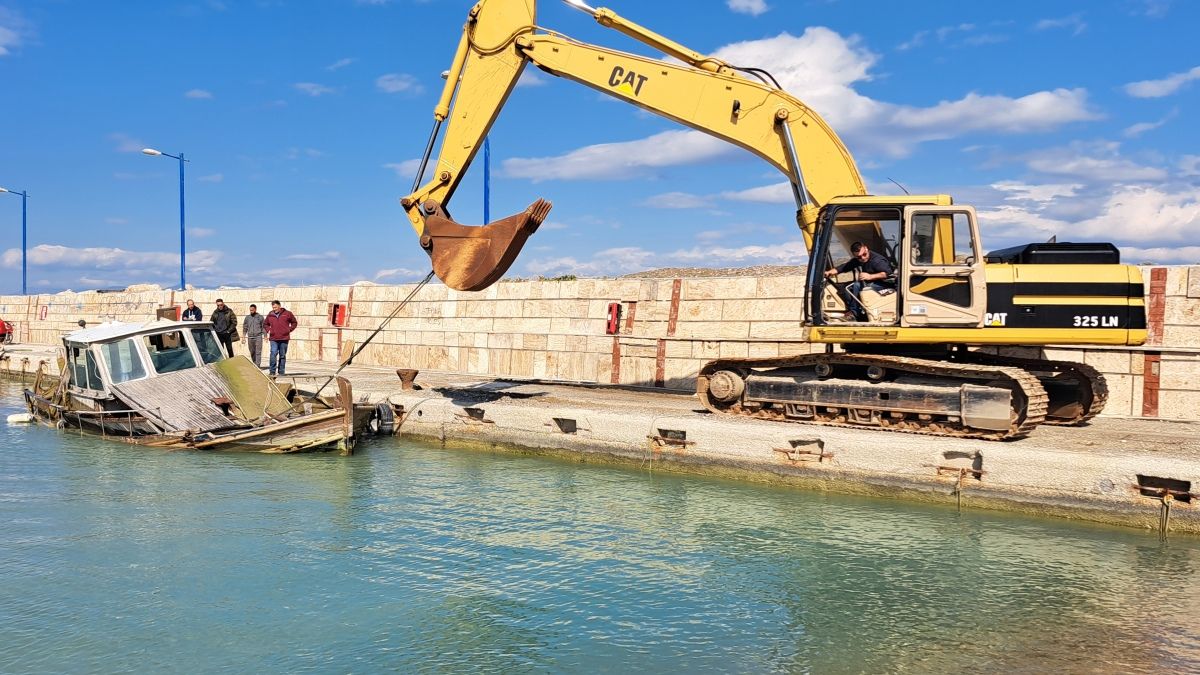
704	93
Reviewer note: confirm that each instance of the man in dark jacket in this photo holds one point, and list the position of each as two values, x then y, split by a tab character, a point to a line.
225	323
279	325
192	313
874	272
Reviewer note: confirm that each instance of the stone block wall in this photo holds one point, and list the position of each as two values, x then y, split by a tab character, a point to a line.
668	329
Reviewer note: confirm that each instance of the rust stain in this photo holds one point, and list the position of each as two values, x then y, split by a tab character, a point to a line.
660	362
674	318
616	360
1150	383
1157	306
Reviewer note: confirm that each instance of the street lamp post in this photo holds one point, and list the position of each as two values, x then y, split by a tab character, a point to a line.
24	240
182	233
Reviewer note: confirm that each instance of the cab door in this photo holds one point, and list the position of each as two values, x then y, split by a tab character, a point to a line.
941	270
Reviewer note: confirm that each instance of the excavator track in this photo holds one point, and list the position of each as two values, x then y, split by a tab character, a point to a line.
1077	391
869	390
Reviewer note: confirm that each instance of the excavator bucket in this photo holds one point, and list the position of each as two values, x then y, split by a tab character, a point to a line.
473	257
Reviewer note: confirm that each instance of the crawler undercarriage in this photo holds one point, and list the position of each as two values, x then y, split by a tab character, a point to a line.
966	394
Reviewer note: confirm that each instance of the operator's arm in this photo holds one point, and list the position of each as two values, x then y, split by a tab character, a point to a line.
877	268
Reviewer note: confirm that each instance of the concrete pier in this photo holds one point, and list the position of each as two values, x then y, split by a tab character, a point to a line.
547	367
1106	472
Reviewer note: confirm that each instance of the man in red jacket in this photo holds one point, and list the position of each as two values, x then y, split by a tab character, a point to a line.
279	325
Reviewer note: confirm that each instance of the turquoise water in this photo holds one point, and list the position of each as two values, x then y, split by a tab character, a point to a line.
405	557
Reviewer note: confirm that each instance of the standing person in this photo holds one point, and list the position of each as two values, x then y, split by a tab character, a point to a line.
252	334
225	323
279	324
192	313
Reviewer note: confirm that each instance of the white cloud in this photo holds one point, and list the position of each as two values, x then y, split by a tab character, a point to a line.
948	34
339	64
313	89
198	94
1147	214
1163	255
200	232
326	255
776	193
398	83
1189	165
751	7
126	143
1135	130
1015	191
297	153
1127	215
212	178
1098	161
406	169
400	274
1164	87
617	161
677	200
1072	22
109	258
531	78
14	29
616	261
8	41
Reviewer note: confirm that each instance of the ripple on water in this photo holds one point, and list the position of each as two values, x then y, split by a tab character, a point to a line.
409	557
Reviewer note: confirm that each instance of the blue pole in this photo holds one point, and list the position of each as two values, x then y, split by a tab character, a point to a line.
487	179
182	239
24	242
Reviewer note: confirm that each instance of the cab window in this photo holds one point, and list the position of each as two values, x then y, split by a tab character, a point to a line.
124	361
169	352
942	239
207	345
877	229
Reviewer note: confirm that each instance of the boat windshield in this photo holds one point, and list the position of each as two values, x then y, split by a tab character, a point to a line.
84	373
206	343
124	361
169	352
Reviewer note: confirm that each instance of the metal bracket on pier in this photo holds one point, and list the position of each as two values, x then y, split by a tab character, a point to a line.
795	454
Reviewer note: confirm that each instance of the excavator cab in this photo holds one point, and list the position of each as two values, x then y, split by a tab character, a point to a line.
933	248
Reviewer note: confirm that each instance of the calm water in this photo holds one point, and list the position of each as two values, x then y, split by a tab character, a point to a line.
118	559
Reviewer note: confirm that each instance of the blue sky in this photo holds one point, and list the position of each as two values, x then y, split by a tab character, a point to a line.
302	122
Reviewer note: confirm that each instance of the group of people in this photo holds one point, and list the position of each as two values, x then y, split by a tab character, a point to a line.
276	326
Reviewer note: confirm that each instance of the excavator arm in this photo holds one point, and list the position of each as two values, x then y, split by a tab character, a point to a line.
703	93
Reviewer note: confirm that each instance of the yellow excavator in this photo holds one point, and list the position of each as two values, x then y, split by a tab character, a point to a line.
909	357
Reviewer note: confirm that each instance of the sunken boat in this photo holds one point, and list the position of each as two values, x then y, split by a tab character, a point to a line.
168	384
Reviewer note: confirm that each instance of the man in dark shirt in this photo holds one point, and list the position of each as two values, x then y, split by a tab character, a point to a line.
225	324
874	272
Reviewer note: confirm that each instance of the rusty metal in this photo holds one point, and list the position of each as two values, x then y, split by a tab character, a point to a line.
667	440
796	454
1162	492
407	377
961	471
471	258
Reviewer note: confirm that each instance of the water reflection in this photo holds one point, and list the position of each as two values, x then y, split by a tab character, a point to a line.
406	557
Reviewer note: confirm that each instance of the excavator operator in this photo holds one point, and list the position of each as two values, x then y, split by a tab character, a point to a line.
875	272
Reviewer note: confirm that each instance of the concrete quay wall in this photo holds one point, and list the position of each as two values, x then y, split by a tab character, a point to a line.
557	330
